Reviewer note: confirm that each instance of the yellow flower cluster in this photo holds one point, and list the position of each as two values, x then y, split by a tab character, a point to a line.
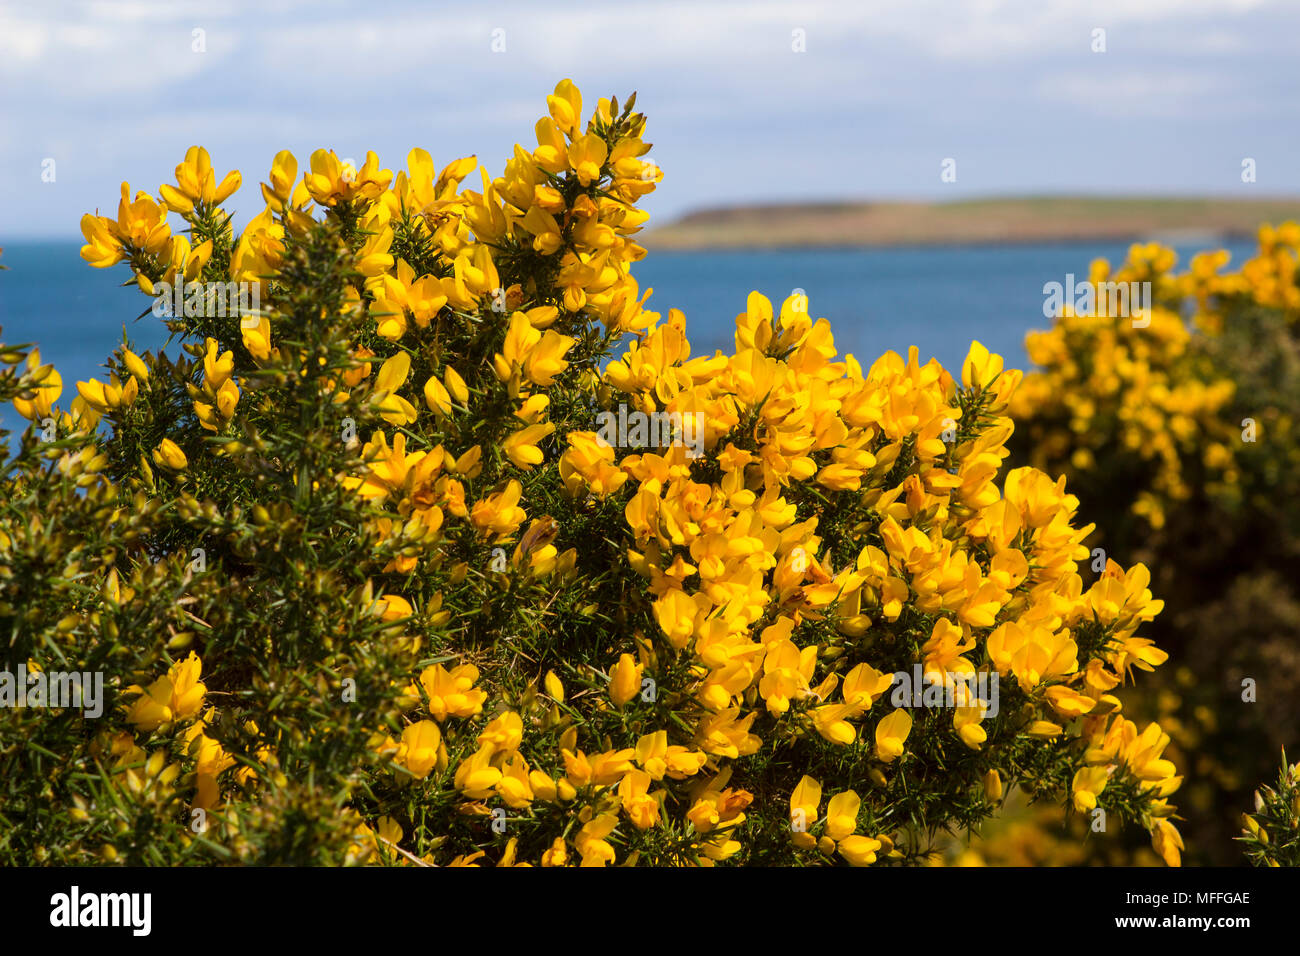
838	524
995	567
1267	279
1111	386
1114	389
174	703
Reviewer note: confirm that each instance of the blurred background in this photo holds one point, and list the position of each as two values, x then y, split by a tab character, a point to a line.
920	170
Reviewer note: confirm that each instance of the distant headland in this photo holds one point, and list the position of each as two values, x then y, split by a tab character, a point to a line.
994	220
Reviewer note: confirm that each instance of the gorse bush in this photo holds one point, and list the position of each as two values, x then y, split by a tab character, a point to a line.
1180	438
1185	407
451	552
1272	833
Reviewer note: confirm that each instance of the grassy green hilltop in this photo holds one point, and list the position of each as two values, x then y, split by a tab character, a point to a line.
1031	219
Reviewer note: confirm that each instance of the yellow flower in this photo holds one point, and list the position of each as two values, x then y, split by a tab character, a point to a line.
554	687
392	407
548	236
966	721
227	399
284	170
587	155
393	607
832	724
135	365
197	183
373	258
153	707
1088	783
624	680
456	385
476	775
175	696
331	181
842	815
641	808
500	512
864	684
566	106
891	733
659	759
726	734
452	693
1167	842
521	446
504	733
538	355
993	786
102	398
591	844
1044	729
804	803
532	410
142	223
515	786
551	154
859	850
437	397
418	751
257	338
557	855
1033	654
587	465
102	248
169	454
49	386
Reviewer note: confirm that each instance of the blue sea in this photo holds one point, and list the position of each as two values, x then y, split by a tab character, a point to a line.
937	299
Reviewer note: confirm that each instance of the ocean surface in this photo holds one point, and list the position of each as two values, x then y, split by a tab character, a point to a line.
937	299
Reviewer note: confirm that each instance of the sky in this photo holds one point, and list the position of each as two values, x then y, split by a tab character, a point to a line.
748	102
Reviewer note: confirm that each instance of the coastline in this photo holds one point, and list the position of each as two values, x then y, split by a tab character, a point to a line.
964	223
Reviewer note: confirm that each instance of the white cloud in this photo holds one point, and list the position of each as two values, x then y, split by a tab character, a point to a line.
21	43
1135	94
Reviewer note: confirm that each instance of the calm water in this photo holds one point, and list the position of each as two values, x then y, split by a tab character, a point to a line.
937	299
